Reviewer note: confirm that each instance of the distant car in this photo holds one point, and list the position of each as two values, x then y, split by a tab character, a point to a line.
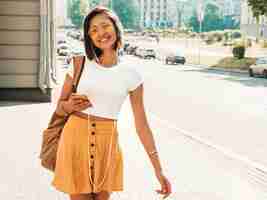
64	52
77	51
62	46
75	34
175	58
131	50
259	68
145	53
61	41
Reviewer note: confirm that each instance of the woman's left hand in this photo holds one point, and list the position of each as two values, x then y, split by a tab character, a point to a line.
165	185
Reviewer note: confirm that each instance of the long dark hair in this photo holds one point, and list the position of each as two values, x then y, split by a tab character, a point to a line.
90	49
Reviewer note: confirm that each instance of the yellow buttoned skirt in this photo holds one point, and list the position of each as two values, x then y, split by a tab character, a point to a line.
89	157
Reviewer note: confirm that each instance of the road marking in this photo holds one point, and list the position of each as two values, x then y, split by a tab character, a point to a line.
226	152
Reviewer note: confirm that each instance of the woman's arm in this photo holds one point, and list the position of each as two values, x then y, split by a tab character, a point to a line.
142	127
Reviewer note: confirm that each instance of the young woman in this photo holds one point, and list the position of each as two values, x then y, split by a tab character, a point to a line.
89	160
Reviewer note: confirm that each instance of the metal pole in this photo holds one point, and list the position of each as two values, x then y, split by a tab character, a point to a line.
199	40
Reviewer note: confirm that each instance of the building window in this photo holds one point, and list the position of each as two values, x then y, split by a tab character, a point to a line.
145	3
165	16
152	16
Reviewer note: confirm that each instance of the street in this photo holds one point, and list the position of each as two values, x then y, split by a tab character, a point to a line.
208	126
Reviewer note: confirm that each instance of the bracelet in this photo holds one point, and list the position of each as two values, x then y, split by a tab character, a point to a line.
153	153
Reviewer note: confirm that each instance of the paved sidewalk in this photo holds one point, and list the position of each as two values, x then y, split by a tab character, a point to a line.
196	172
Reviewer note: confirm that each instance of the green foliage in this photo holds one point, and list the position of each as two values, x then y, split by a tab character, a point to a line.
75	14
127	12
193	22
259	7
235	63
212	20
239	51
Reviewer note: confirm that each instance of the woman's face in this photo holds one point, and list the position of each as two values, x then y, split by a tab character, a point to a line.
102	32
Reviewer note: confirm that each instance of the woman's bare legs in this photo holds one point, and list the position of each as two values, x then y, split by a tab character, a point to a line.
103	195
81	197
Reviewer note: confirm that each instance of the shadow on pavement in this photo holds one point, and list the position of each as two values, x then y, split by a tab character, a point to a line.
233	76
16	103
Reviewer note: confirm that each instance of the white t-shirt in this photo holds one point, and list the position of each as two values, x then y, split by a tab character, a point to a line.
107	88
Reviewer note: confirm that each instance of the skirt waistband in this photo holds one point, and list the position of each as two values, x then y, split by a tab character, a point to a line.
92	120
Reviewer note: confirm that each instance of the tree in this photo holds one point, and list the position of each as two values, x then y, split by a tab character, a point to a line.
193	22
75	14
259	8
212	19
127	12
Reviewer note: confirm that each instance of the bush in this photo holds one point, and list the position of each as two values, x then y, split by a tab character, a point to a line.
239	51
218	36
209	39
234	63
236	35
264	44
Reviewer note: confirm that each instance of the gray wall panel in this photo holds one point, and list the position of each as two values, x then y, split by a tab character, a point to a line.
19	52
20	22
18	67
19	7
20	37
18	81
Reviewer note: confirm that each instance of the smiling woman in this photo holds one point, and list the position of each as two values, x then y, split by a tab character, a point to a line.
89	161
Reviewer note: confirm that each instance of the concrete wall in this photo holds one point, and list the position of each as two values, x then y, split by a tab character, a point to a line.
19	43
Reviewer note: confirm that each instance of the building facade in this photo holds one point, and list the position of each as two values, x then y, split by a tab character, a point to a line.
158	13
27	59
249	24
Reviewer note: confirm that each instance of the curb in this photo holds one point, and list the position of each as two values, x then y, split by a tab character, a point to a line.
214	68
220	69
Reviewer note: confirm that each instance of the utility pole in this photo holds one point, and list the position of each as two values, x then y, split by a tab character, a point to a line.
200	16
180	7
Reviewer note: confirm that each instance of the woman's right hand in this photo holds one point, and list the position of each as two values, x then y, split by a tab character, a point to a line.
76	102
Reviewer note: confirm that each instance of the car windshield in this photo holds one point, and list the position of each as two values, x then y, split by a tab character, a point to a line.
261	61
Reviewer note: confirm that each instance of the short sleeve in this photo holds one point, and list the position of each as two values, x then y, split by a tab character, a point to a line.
136	79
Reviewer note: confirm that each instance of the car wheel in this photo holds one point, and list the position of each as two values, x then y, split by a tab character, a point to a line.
250	71
265	73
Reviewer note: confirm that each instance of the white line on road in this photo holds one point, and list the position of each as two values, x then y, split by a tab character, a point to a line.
219	148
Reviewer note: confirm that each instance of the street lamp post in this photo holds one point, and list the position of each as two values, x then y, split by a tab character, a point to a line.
200	14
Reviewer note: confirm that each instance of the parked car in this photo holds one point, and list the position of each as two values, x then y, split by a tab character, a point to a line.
61	41
62	46
131	50
175	58
64	52
259	68
145	53
75	34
